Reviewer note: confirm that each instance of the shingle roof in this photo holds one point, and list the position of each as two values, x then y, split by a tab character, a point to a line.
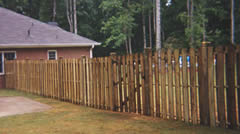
17	30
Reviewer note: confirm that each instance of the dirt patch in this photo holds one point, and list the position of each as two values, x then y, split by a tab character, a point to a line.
20	105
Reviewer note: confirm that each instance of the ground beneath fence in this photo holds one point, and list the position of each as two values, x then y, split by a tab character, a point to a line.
67	118
20	105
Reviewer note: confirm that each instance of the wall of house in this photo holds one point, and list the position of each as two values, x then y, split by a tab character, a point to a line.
42	53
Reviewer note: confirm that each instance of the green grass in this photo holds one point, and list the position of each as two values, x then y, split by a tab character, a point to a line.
67	118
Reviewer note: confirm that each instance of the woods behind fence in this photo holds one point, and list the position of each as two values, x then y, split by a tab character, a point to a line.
195	86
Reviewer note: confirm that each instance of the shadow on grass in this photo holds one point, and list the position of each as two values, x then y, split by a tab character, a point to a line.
67	118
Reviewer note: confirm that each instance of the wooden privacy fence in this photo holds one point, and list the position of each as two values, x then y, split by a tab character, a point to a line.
195	86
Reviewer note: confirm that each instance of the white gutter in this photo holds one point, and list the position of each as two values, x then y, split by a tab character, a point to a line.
48	45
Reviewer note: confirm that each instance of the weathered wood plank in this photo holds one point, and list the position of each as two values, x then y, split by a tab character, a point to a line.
147	86
231	93
138	83
91	82
156	63
170	84
85	80
120	83
177	85
185	85
77	81
102	85
124	70
220	84
238	80
69	80
106	83
81	80
151	92
128	83
74	81
116	83
112	70
95	83
163	108
132	99
193	86
203	85
98	83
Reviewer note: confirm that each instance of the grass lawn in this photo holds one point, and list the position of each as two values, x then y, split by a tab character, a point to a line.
67	118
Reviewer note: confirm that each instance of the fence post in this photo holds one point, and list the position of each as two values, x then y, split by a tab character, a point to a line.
231	92
145	92
211	92
203	85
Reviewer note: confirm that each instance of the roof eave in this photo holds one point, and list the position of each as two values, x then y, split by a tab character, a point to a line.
48	45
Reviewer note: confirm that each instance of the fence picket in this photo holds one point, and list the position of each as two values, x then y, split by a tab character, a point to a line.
138	83
157	91
177	84
193	86
238	80
185	85
170	84
220	90
163	108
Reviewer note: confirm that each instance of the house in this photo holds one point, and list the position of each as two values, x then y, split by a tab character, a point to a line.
22	37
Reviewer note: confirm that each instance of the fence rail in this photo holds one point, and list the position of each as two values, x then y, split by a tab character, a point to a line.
195	86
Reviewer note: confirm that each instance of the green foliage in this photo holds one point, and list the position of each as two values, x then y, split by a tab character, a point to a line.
112	21
120	22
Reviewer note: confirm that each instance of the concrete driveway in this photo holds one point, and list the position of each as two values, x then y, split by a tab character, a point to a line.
20	105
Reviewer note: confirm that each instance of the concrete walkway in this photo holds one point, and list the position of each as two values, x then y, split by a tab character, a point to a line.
20	105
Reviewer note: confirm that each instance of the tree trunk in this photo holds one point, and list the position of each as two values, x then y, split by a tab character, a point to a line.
150	28
54	11
71	10
5	3
126	45
130	44
69	15
192	34
129	38
30	7
158	25
75	16
232	22
188	13
154	17
204	32
144	28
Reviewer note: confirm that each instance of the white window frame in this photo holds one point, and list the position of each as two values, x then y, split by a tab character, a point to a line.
52	51
3	59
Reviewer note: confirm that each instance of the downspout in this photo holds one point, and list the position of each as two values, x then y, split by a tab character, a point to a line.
91	51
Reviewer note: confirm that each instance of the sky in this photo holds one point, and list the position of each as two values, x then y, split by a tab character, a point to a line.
169	3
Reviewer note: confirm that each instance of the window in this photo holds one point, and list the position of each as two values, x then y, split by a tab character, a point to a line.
9	55
6	56
52	54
